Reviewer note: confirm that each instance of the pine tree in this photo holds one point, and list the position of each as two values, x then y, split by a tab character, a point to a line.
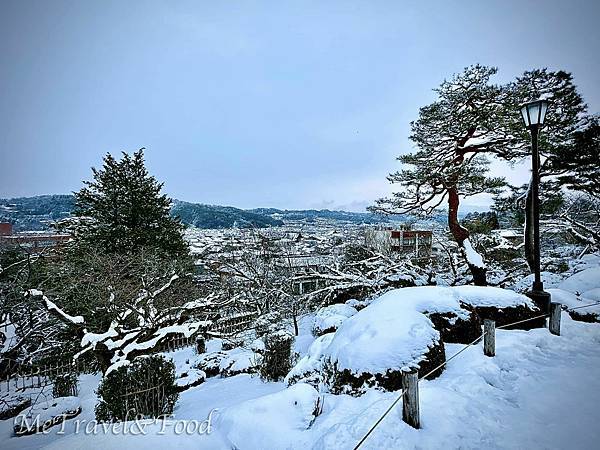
452	134
122	210
565	118
577	165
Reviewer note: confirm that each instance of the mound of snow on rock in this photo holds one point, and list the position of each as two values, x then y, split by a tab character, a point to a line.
583	281
331	317
270	421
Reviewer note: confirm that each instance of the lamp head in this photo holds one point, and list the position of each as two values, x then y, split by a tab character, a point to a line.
534	113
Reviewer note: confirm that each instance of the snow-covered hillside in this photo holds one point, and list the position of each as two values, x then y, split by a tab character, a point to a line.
540	391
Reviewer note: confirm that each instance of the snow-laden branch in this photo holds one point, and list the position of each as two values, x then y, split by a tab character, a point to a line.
51	307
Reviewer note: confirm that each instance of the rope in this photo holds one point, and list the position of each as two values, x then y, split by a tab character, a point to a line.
364	438
522	321
584	306
379	421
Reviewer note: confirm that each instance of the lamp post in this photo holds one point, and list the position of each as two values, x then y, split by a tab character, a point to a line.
534	114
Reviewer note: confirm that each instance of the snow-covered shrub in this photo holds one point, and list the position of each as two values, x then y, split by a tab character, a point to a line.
227	363
277	358
501	305
392	335
145	387
329	318
358	304
267	323
65	385
309	368
571	300
230	344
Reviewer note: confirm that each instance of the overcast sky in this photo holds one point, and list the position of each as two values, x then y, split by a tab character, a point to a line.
290	104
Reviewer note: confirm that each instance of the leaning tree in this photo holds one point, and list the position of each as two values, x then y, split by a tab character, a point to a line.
452	136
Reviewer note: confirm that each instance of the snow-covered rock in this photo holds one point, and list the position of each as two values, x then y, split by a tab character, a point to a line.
308	369
329	318
46	414
583	281
270	421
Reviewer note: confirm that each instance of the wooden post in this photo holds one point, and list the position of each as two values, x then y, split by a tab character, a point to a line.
489	338
554	323
410	398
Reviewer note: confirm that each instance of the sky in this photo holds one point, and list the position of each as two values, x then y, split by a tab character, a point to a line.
295	104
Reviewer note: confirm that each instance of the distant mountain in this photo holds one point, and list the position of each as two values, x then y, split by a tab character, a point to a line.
212	216
311	215
35	213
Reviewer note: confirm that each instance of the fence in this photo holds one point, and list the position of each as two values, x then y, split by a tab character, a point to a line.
28	376
150	402
410	380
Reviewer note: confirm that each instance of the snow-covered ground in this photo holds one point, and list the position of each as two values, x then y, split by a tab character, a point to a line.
540	391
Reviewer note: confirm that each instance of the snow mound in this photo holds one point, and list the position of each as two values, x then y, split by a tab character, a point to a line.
270	421
309	366
46	414
391	333
571	300
583	281
329	318
478	296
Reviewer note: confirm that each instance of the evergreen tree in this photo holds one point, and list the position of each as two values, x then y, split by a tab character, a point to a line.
577	165
473	118
452	134
565	118
122	210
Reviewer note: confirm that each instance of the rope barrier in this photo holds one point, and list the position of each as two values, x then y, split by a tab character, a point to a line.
364	438
523	321
584	306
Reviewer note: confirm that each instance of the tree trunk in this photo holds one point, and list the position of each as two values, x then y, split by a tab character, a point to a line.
461	234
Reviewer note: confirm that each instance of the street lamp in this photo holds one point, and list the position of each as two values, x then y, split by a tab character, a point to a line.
534	114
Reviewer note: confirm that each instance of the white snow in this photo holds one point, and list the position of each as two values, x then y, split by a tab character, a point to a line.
592	294
472	256
388	334
272	421
51	306
331	317
517	399
583	281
